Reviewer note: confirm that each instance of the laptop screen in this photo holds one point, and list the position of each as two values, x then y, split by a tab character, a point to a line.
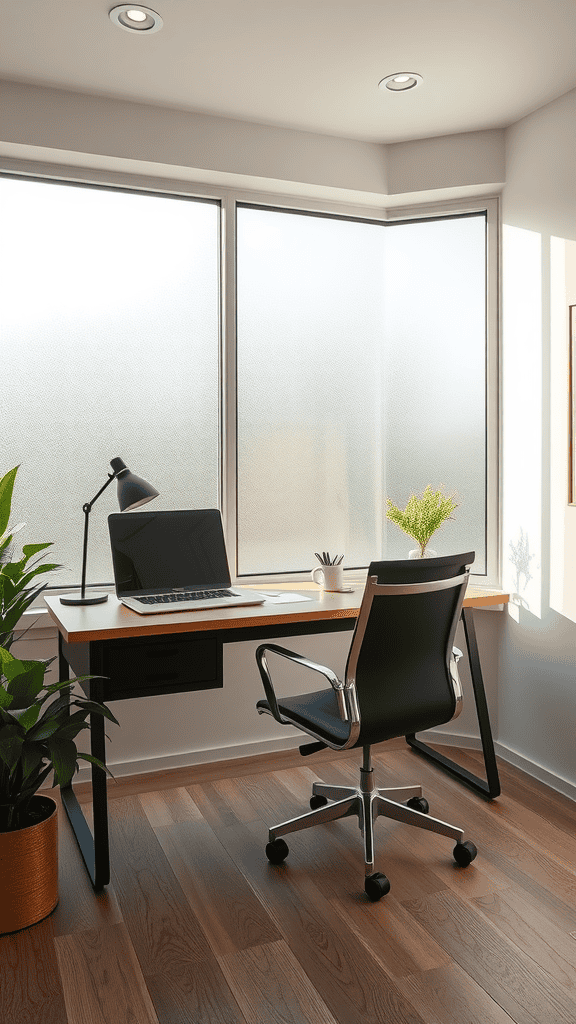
163	551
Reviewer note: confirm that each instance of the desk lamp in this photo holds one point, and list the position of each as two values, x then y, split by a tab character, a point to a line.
132	492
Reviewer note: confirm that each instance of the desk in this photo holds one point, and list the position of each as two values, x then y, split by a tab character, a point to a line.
144	656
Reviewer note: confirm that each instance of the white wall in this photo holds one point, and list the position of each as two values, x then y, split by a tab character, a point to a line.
424	165
77	130
537	671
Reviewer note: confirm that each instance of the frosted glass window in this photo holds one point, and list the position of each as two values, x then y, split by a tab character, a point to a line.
109	327
310	327
434	401
361	375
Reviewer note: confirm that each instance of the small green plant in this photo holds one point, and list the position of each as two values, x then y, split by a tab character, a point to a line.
423	515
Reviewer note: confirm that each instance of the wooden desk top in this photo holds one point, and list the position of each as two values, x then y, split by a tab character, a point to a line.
112	620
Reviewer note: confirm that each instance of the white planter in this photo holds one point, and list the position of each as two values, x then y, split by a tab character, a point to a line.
428	553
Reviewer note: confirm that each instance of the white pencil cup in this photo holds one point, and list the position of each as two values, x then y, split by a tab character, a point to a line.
329	577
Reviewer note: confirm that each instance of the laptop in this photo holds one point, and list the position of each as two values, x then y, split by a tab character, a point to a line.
173	561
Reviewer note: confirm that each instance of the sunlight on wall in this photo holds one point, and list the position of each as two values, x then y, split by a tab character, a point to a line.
562	515
522	418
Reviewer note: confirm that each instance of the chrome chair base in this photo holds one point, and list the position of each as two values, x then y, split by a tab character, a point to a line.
367	803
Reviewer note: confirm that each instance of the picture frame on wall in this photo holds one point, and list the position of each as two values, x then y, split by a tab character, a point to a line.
572	405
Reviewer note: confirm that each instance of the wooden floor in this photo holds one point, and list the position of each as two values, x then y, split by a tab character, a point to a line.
198	927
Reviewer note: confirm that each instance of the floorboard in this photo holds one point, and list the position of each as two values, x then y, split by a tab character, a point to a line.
197	927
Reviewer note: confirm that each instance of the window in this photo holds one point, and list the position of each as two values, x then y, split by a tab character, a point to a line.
357	364
109	319
361	376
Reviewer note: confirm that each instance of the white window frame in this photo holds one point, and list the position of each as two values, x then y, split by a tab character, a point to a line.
228	199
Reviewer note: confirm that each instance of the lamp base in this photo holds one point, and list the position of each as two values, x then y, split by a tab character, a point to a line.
95	598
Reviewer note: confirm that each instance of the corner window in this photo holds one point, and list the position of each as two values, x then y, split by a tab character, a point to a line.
361	376
358	363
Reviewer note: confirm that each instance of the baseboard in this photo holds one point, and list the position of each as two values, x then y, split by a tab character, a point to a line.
450	739
120	769
437	737
193	757
537	771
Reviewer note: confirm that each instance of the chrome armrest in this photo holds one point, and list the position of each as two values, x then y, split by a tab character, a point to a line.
455	677
336	683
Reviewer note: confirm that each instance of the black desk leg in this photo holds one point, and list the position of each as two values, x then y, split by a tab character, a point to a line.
491	786
94	848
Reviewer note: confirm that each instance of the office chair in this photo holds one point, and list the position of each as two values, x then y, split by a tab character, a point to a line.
401	678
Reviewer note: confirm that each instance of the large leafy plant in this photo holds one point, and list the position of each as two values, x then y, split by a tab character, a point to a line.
19	584
423	515
38	721
38	730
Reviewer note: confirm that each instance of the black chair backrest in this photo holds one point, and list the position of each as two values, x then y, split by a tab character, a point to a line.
400	651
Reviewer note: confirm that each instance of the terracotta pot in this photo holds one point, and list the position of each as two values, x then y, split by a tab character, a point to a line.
29	870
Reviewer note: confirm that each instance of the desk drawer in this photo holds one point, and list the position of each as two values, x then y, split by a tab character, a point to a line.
150	666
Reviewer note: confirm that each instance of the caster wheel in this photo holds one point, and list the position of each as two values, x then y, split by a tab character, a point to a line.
277	851
318	801
418	803
376	886
464	853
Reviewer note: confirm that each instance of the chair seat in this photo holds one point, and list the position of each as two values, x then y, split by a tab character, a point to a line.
317	711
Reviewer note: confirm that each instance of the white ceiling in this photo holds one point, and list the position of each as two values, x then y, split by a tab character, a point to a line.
308	64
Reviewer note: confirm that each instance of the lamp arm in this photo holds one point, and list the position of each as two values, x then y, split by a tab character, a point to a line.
86	510
88	505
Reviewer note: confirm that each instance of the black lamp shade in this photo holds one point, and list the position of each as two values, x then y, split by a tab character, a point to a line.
132	490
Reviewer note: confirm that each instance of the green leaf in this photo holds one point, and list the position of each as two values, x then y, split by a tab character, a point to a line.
33	549
94	760
64	756
5	658
26	717
56	707
25	680
43	730
95	708
70	725
61	685
70	731
6	488
17	571
13	570
77	679
32	757
33	783
4	543
5	698
14	601
11	741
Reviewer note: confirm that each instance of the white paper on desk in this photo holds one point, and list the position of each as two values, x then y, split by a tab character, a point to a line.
286	599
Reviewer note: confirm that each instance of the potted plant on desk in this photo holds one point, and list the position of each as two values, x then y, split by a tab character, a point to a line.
38	729
423	515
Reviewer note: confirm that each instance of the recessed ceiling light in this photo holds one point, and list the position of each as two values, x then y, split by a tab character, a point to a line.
400	82
135	18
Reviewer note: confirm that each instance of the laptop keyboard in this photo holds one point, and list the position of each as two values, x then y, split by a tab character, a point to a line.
195	595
